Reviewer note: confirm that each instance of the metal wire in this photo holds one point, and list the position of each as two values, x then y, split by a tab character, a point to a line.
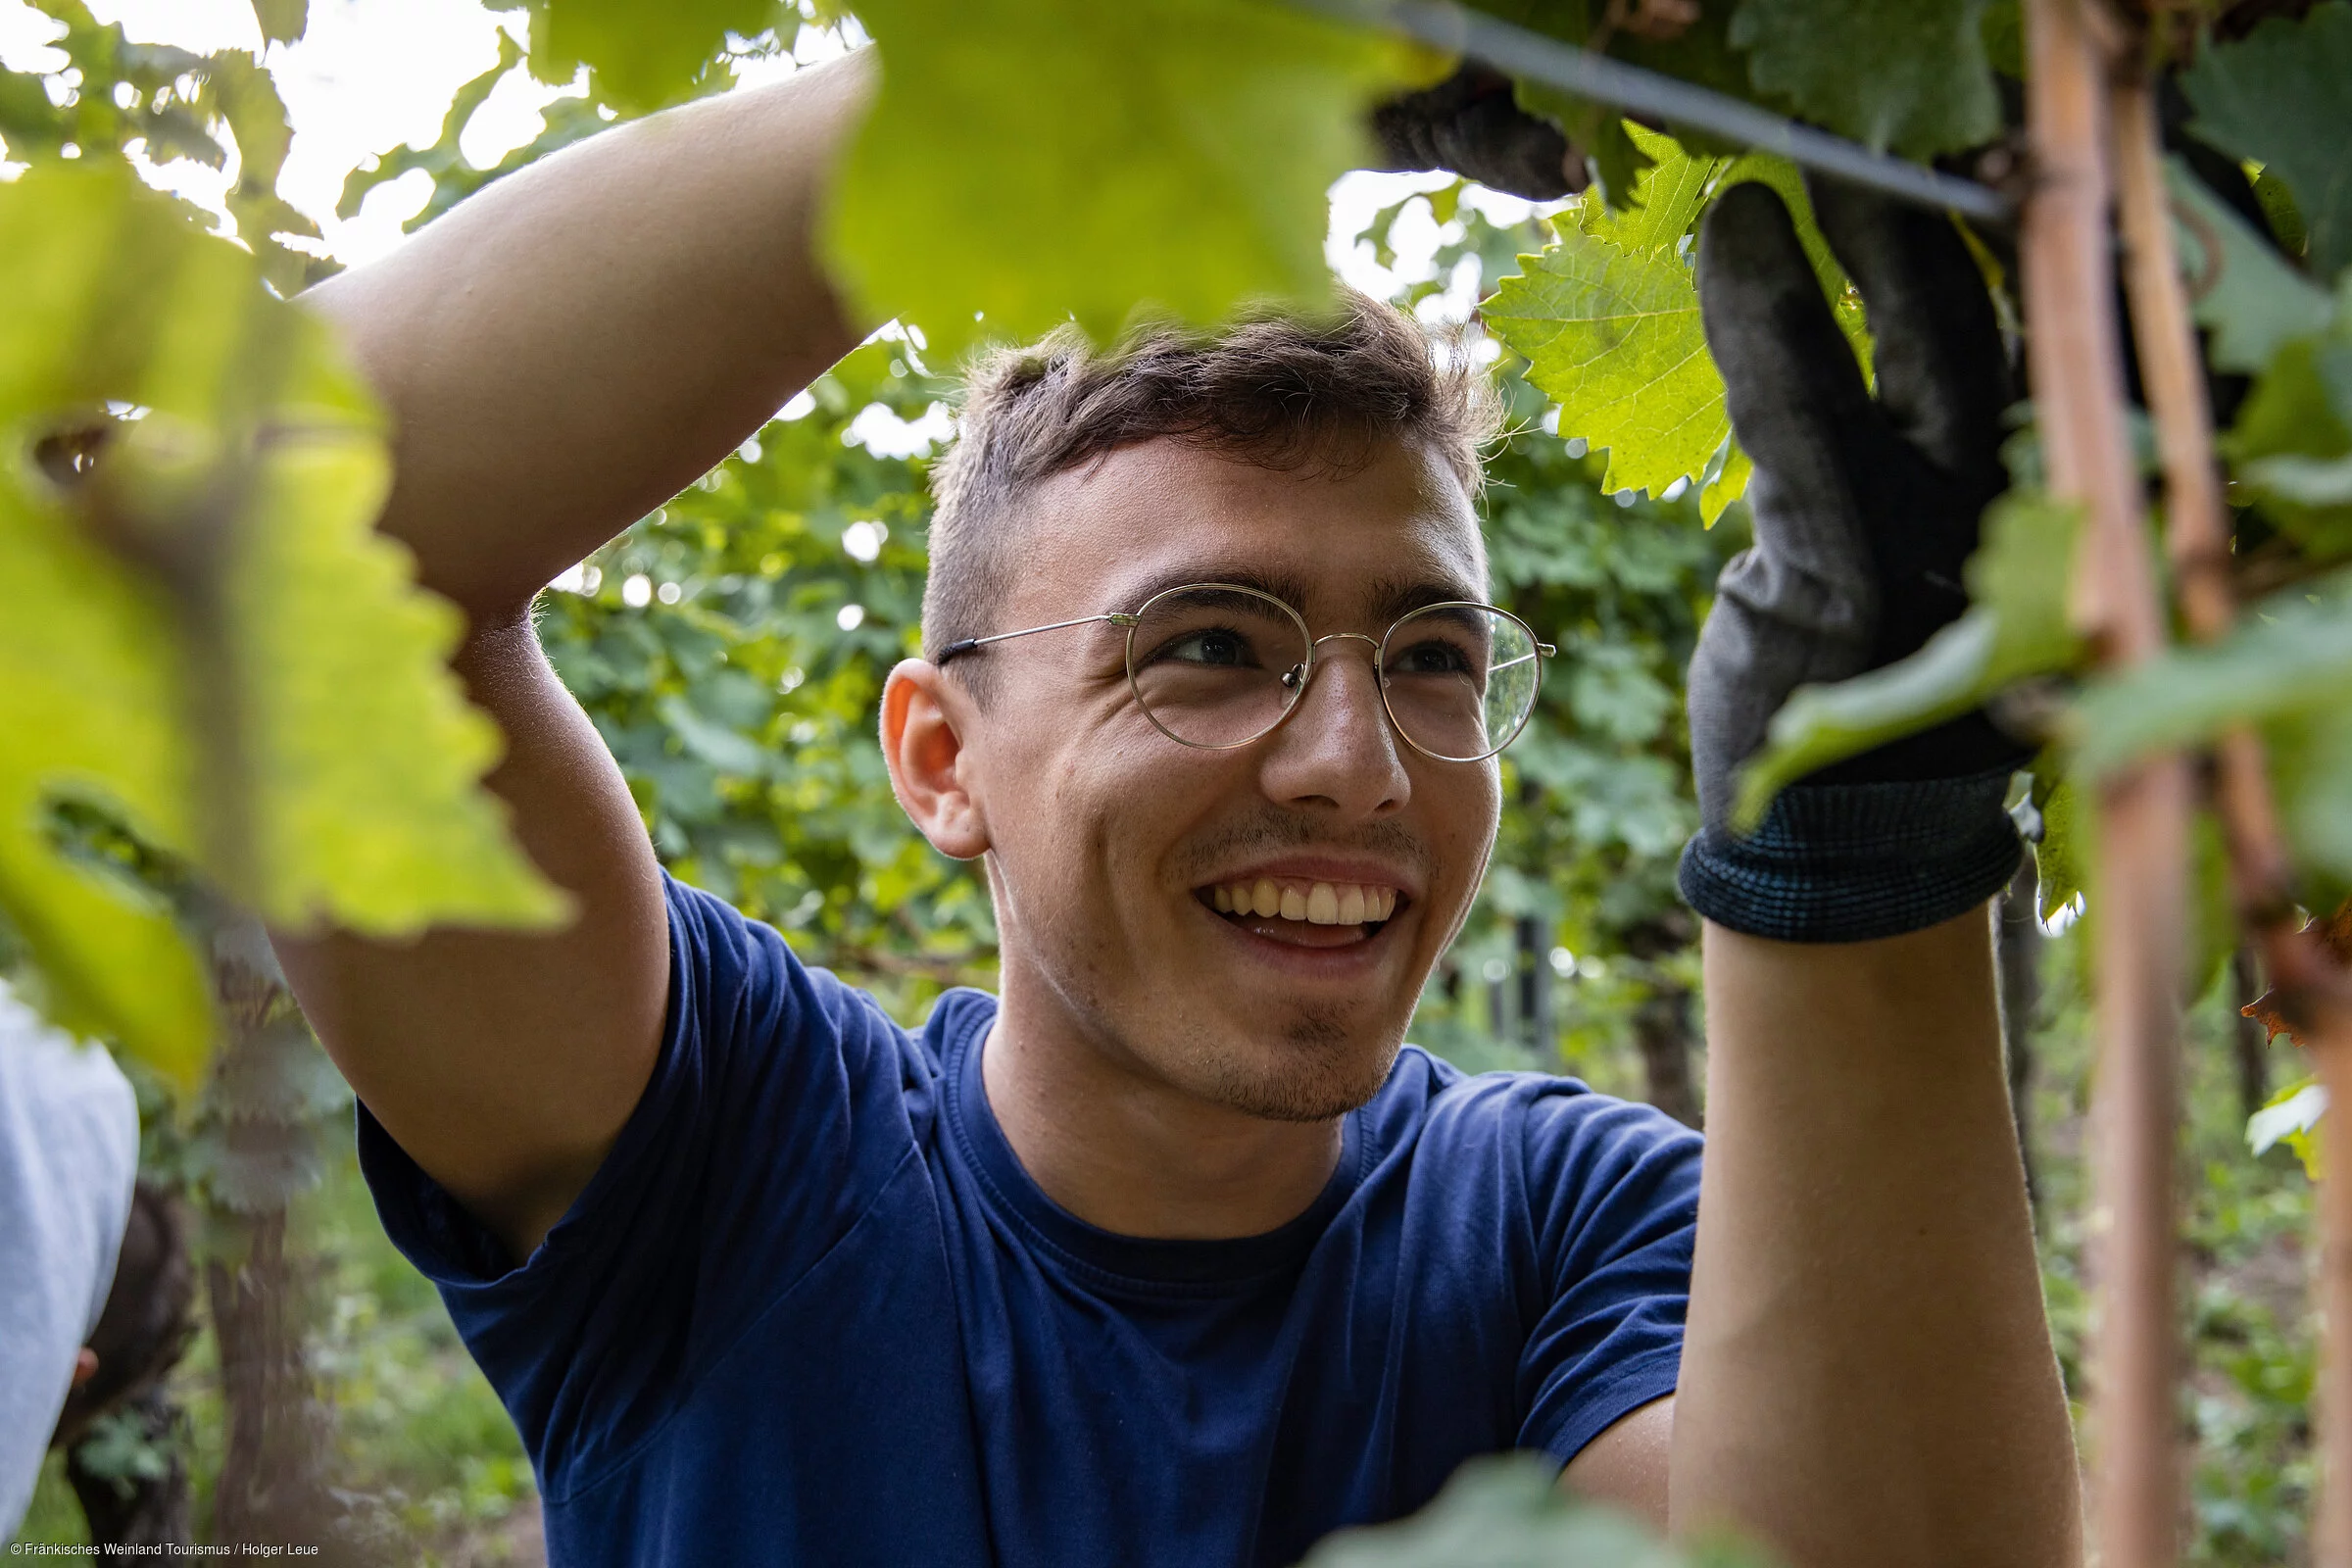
1599	78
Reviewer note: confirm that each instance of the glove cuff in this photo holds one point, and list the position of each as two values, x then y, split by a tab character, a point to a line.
1849	862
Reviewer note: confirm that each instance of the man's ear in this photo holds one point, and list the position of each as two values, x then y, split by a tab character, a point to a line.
924	715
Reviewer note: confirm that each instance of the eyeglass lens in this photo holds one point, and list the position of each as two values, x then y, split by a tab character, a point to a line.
1218	666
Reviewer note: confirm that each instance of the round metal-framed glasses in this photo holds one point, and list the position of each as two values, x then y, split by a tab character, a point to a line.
1215	666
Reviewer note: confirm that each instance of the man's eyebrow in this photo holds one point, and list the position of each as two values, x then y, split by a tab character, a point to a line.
1290	589
1392	597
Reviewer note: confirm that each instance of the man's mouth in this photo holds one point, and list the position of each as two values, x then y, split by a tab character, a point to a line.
1304	913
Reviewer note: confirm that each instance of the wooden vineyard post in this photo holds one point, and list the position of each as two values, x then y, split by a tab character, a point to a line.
2141	837
2311	988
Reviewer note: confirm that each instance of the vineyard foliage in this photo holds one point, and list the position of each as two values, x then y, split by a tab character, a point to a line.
206	652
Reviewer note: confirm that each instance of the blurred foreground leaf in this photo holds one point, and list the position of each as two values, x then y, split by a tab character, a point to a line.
2252	298
200	630
2016	627
639	57
1064	159
1509	1512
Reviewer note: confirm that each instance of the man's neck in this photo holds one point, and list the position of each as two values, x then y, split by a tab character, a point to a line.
1138	1157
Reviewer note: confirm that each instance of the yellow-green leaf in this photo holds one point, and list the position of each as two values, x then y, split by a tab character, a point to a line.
202	630
1067	160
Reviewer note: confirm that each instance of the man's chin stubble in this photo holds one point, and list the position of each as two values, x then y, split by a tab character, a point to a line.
1322	1068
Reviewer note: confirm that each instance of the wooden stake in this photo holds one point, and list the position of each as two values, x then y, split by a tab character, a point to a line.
2313	987
2143	831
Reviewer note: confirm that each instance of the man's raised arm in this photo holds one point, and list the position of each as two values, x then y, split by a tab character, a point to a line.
561	354
1866	1374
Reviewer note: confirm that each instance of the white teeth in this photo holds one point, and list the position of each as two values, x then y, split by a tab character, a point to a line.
1314	903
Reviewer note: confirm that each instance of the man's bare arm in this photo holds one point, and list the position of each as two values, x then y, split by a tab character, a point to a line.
1867	1375
561	354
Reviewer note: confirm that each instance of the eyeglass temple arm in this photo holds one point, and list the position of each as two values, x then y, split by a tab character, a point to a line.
1542	651
956	649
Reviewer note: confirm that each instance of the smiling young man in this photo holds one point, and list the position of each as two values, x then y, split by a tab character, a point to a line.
1173	1253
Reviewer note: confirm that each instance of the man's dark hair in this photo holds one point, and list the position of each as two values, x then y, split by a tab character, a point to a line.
1282	391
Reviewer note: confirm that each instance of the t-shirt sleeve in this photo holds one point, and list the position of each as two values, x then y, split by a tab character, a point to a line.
68	1155
1614	1193
779	1105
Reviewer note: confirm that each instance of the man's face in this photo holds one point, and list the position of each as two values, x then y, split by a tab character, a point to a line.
1108	842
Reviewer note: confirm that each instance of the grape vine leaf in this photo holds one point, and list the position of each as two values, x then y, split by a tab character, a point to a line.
223	528
1607	319
2284	669
2245	293
1613	337
2292	442
1508	1512
282	21
1065	158
639	56
1727	481
1910	75
2017	627
2281	97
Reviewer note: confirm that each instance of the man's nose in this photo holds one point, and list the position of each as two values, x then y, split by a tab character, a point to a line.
1337	746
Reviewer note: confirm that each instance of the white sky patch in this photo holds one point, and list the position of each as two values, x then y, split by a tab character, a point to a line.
370	75
883	433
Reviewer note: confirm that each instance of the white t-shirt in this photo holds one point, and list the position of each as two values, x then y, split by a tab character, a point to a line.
68	1153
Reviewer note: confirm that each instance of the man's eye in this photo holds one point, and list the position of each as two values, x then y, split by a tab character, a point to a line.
1222	647
1431	658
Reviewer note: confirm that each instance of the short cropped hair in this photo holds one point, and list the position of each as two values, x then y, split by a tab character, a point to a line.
1282	391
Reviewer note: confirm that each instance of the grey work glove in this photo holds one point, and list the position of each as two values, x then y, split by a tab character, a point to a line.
1865	509
1471	124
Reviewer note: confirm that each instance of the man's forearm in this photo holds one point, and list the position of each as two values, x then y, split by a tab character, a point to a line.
568	349
1868	1376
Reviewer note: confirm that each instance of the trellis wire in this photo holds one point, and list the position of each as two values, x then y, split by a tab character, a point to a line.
1597	79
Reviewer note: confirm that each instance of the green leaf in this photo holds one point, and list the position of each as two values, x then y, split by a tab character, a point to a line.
1065	158
1614	338
2059	859
1607	319
2294	436
639	56
282	21
2244	292
2293	655
209	617
2017	627
1728	483
2284	671
2281	97
1906	74
1509	1512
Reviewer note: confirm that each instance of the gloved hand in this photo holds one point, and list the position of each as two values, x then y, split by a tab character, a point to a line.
1865	510
1470	124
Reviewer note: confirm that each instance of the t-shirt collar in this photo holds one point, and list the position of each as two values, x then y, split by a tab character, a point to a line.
959	1028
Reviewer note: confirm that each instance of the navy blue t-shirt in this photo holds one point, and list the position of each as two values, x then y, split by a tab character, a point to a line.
812	1312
